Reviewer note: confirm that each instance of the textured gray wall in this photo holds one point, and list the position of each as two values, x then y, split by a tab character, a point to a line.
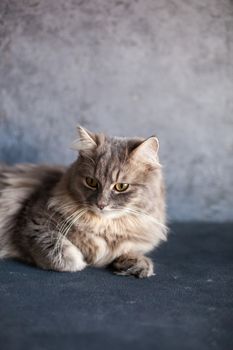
127	68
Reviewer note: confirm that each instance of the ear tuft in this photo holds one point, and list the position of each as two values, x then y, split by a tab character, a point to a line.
85	142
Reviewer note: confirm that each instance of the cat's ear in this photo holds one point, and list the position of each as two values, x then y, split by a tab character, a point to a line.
147	151
86	140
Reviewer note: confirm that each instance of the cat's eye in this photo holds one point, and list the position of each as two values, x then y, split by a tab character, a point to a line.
91	182
121	187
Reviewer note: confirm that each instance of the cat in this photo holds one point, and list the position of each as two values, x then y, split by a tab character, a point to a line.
106	209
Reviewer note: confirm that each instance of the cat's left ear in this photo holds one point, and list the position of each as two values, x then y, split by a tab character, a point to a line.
147	151
86	140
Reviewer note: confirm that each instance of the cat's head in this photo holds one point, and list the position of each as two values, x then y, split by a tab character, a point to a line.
114	176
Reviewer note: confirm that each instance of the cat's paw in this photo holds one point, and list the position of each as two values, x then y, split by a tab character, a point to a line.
72	259
140	267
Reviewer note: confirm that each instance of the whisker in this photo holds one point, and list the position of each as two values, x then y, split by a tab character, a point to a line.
134	211
67	224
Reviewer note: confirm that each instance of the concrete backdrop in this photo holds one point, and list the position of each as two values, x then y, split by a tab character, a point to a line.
127	68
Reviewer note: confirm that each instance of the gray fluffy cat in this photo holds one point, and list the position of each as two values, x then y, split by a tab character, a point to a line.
107	208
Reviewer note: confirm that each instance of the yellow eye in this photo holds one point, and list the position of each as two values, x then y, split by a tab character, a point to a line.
121	187
91	182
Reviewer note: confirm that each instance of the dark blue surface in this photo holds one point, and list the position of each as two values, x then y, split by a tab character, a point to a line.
187	305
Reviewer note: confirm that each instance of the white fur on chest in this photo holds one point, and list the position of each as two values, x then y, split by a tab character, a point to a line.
105	255
131	236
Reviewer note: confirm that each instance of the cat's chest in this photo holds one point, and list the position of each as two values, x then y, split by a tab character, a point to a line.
106	252
100	247
103	252
102	242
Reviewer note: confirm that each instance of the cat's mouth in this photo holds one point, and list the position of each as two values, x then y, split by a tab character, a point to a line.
110	213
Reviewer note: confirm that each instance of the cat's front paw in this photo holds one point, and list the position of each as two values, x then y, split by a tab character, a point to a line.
72	259
64	258
139	266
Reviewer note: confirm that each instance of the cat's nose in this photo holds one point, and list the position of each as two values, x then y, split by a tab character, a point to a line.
101	205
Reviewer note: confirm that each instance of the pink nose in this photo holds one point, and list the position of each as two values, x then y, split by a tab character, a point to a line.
101	205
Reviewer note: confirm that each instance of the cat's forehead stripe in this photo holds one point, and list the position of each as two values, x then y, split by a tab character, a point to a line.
108	162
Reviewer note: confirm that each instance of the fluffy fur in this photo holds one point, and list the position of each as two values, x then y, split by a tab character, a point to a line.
50	217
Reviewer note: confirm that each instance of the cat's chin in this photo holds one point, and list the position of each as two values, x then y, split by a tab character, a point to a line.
109	213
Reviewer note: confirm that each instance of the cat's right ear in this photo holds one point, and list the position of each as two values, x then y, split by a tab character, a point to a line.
85	142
